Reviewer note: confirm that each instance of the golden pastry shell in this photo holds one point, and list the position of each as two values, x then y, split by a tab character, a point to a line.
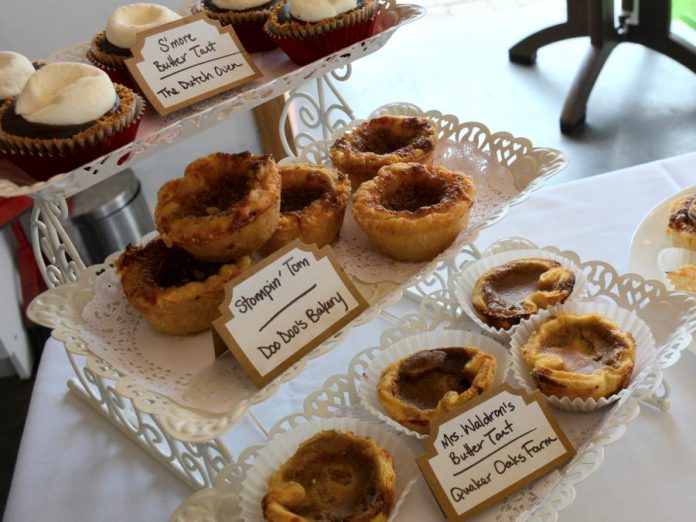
414	235
284	493
550	372
355	154
480	369
318	223
221	234
681	226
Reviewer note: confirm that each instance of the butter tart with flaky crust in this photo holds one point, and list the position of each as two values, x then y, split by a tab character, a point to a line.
580	356
682	222
506	294
416	388
383	141
333	476
412	212
176	293
313	203
225	206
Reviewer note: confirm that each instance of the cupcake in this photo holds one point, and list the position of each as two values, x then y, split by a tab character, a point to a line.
247	17
67	115
311	29
111	48
15	70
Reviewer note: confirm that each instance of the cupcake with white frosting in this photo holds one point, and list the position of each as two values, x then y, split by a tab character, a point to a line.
311	29
247	17
111	48
15	70
66	115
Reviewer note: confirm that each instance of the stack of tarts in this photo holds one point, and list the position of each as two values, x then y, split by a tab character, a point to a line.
211	221
679	261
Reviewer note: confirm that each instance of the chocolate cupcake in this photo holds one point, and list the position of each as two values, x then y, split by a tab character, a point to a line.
311	29
247	17
15	71
111	48
67	114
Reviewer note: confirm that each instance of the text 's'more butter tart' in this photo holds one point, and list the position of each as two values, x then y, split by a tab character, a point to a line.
15	71
66	115
311	29
111	48
247	17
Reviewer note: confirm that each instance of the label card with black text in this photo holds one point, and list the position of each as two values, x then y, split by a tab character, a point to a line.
490	448
182	62
284	307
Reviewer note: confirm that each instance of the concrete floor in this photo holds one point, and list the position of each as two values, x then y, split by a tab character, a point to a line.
455	60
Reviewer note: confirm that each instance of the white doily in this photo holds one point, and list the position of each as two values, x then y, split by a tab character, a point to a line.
181	368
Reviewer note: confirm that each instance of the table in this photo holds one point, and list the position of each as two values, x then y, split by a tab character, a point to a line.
74	466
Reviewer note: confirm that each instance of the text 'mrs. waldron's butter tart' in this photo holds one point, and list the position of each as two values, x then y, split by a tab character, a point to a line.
333	476
427	383
506	294
580	356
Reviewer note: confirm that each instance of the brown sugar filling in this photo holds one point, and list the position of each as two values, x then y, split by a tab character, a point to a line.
584	350
380	141
425	377
293	199
411	197
223	196
512	286
338	477
170	267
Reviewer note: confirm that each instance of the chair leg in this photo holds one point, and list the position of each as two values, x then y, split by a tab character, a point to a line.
575	108
679	51
525	51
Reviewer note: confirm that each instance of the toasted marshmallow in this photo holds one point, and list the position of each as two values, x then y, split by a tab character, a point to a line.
15	70
66	94
238	5
317	10
128	20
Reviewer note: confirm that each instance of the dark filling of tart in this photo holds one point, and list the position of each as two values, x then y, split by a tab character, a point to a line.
680	218
339	480
210	6
515	284
14	124
411	197
298	198
380	141
169	267
425	377
285	16
107	47
226	194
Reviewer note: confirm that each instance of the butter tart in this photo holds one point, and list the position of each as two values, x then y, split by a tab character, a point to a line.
383	141
683	278
682	222
580	356
416	388
506	294
333	476
412	212
313	202
176	293
225	206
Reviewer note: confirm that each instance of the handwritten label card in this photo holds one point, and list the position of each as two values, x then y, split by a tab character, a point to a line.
286	306
489	448
185	61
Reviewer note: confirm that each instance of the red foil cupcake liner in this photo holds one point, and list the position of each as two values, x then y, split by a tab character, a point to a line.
121	76
30	168
253	37
306	50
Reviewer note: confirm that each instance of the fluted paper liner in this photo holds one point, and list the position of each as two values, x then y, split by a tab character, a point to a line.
465	282
672	258
627	321
280	448
367	391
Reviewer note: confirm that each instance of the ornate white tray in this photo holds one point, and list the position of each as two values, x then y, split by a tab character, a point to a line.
156	133
671	316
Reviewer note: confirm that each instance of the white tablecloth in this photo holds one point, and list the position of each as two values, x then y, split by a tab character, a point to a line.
74	466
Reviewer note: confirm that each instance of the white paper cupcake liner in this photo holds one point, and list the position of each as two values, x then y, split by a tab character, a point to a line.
283	446
465	282
627	321
367	391
670	259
